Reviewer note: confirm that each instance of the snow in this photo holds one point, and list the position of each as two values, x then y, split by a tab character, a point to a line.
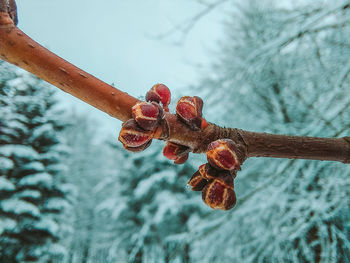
32	194
57	167
45	129
20	151
145	185
15	125
6	185
19	207
56	204
42	179
5	164
7	224
57	249
35	166
168	205
48	225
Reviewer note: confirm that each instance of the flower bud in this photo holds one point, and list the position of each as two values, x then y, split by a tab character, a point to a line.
147	115
133	137
177	152
189	110
209	173
159	93
221	154
197	182
138	149
181	159
217	195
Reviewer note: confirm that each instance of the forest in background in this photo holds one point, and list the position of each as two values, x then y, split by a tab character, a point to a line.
68	195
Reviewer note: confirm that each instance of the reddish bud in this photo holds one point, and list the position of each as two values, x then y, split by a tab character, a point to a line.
174	151
159	93
218	196
146	114
138	149
189	110
133	137
197	182
210	173
221	154
182	159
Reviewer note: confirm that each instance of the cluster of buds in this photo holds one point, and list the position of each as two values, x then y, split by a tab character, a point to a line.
137	133
215	178
189	110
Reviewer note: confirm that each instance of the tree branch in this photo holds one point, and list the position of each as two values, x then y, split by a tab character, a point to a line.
20	50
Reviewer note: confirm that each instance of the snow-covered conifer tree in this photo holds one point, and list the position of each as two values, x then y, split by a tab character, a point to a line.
32	190
284	69
151	208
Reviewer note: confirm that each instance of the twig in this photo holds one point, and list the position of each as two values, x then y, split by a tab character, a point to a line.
20	50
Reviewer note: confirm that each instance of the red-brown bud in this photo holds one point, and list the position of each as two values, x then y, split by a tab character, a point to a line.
189	110
138	149
176	152
133	137
218	195
209	173
181	159
159	93
147	114
222	155
197	182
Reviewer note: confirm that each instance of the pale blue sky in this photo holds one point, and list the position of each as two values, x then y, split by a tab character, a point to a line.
113	41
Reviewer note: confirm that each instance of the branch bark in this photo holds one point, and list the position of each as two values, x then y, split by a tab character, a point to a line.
19	49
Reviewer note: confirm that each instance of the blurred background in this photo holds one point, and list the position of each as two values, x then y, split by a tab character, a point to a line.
69	192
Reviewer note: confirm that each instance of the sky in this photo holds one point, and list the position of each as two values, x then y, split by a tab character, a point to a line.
118	41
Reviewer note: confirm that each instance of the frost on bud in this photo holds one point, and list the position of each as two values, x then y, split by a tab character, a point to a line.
147	115
133	137
219	194
159	93
176	152
189	110
197	182
222	155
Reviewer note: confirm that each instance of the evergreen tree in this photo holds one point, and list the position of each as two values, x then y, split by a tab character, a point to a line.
89	164
283	70
151	209
32	190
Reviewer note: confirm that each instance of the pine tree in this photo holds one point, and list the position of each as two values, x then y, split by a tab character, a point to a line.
283	70
32	190
90	164
151	209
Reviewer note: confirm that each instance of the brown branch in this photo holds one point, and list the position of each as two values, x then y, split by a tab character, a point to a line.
20	50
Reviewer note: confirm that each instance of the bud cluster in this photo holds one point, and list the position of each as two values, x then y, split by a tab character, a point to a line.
189	110
215	178
137	133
